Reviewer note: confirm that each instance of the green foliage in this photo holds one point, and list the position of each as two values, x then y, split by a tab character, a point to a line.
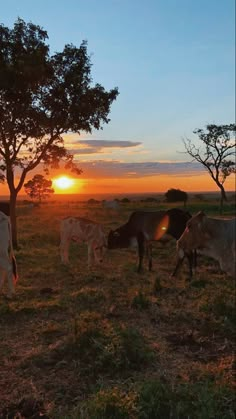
98	347
155	400
140	301
202	400
221	308
42	98
112	404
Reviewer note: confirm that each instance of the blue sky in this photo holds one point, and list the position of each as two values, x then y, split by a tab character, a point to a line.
173	62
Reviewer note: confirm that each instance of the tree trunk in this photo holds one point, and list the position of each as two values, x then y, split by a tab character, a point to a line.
13	196
223	197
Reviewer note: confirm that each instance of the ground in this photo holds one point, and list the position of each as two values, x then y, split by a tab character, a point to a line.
109	342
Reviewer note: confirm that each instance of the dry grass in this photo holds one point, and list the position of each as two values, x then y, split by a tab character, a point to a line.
76	343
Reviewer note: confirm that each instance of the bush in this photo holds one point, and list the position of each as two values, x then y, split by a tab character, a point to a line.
176	195
158	399
140	301
112	404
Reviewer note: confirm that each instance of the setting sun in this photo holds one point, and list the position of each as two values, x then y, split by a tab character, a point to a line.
63	182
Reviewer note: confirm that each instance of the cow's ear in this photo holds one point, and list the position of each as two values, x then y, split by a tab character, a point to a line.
201	219
201	214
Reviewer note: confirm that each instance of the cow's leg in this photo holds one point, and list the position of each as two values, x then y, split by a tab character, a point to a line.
7	271
64	251
149	256
90	255
190	264
141	251
2	277
177	267
179	262
11	288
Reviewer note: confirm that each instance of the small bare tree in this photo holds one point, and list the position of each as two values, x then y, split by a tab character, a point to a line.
218	154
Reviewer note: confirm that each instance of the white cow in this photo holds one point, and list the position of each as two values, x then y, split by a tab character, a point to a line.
7	258
112	205
212	237
82	230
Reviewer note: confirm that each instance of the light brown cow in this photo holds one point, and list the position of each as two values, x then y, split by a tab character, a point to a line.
7	260
212	237
82	230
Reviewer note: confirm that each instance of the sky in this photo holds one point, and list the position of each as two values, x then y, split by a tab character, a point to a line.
173	62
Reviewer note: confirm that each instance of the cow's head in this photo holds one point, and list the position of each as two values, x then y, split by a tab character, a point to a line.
117	239
100	248
195	234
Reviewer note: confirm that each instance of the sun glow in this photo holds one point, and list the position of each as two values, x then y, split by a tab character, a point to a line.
63	182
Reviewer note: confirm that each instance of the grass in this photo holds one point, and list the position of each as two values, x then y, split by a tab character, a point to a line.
109	342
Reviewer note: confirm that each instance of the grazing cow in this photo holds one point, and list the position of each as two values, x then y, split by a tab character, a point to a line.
212	237
7	258
111	205
144	227
82	230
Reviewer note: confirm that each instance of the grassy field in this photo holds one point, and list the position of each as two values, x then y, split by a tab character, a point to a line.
109	342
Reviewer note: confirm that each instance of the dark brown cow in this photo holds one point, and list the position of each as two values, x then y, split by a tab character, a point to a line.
144	227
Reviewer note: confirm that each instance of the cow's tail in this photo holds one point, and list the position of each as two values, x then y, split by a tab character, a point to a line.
12	256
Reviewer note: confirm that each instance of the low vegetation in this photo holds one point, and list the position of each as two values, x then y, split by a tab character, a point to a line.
110	343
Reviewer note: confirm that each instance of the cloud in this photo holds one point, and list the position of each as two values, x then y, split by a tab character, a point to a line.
99	146
110	144
114	169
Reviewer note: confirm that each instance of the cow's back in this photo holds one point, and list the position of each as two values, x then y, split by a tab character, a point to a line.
146	222
80	229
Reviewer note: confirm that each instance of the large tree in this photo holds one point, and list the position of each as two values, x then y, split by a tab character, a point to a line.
42	97
217	154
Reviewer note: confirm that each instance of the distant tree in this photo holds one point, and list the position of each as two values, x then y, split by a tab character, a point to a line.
92	201
217	155
176	195
149	199
125	200
199	197
39	188
42	97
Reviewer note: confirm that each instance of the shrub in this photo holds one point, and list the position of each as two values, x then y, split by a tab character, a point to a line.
140	301
176	195
114	404
155	400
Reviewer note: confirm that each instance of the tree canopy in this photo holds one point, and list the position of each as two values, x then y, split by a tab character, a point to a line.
42	97
39	188
176	195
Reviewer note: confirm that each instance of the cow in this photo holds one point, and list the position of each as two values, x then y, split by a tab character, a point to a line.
5	207
81	230
111	205
7	259
212	237
144	227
